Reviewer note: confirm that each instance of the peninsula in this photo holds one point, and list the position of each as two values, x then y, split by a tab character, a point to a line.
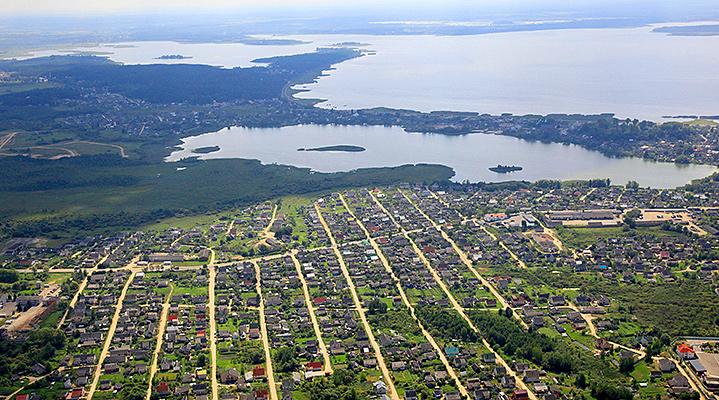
346	148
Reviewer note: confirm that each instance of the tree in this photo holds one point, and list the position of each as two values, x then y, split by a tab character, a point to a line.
377	306
285	359
201	360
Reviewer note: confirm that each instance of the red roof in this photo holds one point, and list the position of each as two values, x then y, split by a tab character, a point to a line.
261	394
258	372
22	397
685	348
172	317
319	300
520	394
163	387
75	393
313	366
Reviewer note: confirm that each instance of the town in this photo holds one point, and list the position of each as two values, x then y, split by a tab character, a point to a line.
403	292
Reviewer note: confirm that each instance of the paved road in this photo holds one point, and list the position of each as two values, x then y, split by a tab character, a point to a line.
392	391
405	300
110	334
313	317
265	339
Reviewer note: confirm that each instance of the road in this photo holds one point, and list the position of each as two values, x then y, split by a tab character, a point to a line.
110	334
467	262
265	338
313	317
453	300
266	233
587	317
392	391
7	139
161	327
450	371
211	279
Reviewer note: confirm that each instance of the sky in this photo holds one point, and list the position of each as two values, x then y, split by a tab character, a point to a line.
466	8
80	7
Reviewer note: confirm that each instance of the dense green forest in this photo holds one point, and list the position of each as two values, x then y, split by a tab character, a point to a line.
105	192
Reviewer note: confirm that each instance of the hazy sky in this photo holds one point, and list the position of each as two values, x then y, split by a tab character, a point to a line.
468	8
108	6
134	6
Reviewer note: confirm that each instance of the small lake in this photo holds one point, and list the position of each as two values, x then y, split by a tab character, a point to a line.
469	155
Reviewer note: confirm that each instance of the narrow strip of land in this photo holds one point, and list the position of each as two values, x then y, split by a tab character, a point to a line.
265	338
110	335
313	317
405	300
360	310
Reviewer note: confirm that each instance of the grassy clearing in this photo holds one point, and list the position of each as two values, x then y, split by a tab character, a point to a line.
581	238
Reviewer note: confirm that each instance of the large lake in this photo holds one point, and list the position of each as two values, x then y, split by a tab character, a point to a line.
633	73
469	155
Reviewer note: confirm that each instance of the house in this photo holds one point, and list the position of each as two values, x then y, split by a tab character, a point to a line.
162	389
520	395
686	352
666	365
76	393
678	384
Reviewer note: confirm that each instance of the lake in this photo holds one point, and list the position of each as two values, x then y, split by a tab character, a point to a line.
469	155
631	72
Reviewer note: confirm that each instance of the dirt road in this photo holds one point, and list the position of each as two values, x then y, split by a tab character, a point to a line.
405	300
162	326
453	301
392	391
265	339
110	334
313	317
212	277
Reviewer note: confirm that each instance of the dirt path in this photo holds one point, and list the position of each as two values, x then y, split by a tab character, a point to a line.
405	300
392	392
110	335
265	339
589	193
265	233
162	326
587	317
119	148
697	386
454	303
7	139
313	317
212	269
80	288
467	262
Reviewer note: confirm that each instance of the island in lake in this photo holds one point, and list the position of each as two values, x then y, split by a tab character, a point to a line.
503	169
173	57
206	150
347	148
